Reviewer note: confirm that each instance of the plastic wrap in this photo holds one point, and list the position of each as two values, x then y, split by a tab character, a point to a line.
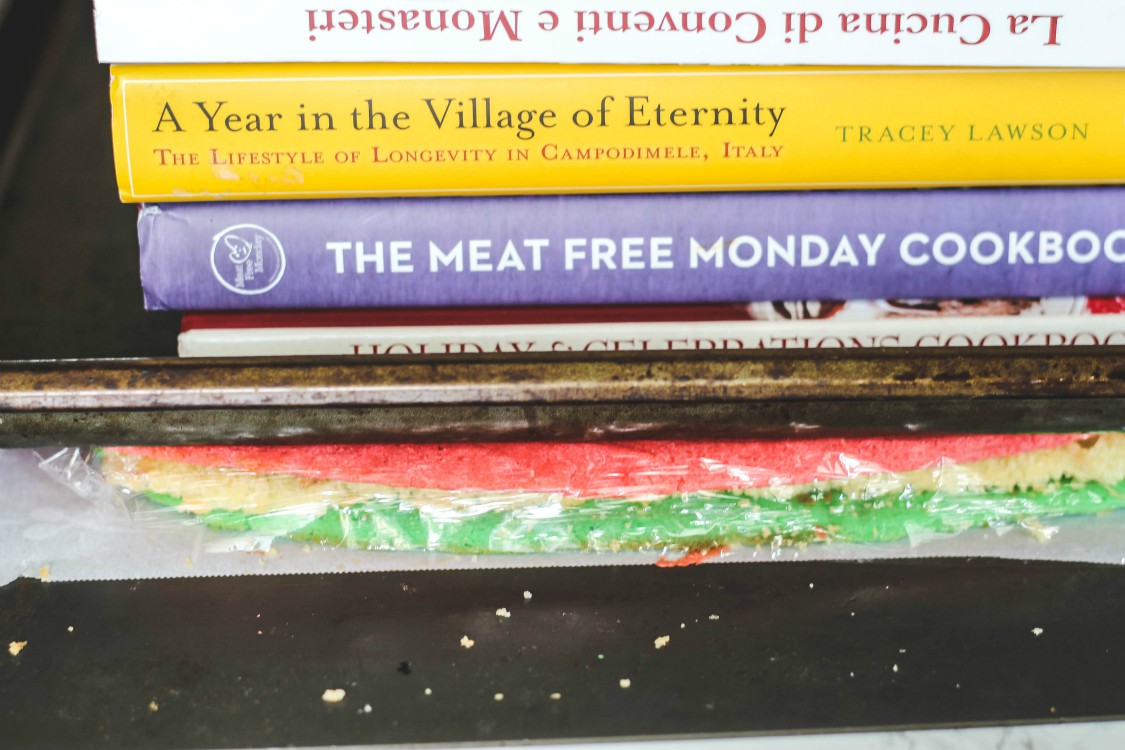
675	497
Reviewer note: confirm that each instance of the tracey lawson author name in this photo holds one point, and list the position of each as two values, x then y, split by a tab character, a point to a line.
663	253
972	132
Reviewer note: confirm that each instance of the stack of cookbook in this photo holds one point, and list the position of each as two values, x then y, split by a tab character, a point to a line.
539	176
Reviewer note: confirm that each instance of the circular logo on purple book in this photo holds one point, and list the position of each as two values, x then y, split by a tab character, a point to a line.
247	259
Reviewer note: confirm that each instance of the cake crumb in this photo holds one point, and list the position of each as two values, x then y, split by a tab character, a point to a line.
527	596
1038	530
662	641
556	696
683	625
811	585
333	695
624	682
366	708
712	617
498	697
15	647
1037	632
45	573
70	628
601	656
894	668
467	642
153	706
902	651
503	612
427	691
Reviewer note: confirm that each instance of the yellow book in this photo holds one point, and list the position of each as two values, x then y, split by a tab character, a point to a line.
205	132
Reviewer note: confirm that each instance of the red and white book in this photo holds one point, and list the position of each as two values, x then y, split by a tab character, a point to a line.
1048	321
1011	33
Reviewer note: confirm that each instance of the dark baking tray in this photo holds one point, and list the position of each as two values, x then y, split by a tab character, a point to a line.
81	361
244	661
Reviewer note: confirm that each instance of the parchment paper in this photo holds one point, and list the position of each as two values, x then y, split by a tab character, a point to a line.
48	529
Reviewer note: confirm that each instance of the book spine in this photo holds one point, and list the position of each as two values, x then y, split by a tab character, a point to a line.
196	132
634	249
1046	33
383	317
905	332
776	311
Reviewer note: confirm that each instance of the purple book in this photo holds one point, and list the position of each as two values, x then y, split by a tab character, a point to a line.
634	248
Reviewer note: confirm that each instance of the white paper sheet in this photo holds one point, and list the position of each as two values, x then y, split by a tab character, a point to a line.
47	528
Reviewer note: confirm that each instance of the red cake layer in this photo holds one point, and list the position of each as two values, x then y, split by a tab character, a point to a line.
608	469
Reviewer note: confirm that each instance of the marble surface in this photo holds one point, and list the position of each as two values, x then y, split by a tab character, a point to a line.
1081	736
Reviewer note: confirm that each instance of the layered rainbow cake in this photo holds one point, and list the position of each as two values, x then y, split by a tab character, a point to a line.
643	495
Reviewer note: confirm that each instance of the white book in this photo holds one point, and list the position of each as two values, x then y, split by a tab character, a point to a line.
1040	33
936	330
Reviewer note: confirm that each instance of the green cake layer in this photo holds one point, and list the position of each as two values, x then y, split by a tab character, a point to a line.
677	522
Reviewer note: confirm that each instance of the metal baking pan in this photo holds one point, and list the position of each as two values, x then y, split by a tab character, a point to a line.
560	397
